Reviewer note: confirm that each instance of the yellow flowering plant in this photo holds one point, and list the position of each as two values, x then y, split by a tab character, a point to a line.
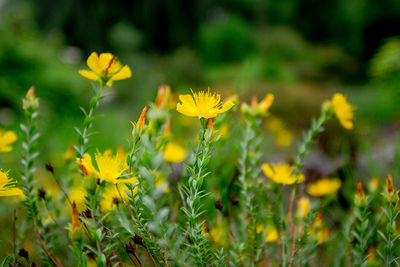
230	201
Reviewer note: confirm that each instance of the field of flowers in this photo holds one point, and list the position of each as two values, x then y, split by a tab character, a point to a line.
154	201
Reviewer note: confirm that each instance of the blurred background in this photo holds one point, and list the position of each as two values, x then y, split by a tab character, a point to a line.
302	51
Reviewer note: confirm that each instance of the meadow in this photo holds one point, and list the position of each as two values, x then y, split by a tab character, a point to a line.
216	202
199	133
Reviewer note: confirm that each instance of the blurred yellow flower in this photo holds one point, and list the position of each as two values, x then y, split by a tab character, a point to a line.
271	234
174	152
7	186
6	139
303	207
373	184
110	168
78	196
284	138
224	130
258	109
162	181
105	69
281	173
111	197
69	153
275	124
323	235
202	104
324	186
343	110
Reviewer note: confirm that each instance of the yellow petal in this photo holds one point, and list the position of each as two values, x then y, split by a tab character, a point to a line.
11	192
132	180
124	73
225	107
9	137
104	59
89	75
93	63
185	110
267	170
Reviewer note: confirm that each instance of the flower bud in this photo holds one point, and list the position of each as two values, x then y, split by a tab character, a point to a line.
360	197
30	103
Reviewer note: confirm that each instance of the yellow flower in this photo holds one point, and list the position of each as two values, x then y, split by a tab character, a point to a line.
70	151
343	110
303	207
323	235
281	173
258	109
202	104
110	168
284	138
78	196
7	186
271	234
111	197
275	124
373	184
174	152
6	139
224	130
324	186
162	181
105	69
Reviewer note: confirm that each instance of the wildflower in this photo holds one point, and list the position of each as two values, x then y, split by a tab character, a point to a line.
110	168
164	98
6	139
360	197
281	173
141	120
76	232
111	197
105	69
391	191
167	129
284	138
271	234
161	182
361	193
275	124
373	184
323	235
30	102
78	196
203	105
303	207
7	186
324	186
258	109
343	110
223	131
174	152
69	153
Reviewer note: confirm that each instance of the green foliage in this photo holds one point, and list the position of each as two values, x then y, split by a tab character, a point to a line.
229	39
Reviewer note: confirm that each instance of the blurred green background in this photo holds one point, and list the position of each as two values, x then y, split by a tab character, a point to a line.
301	50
